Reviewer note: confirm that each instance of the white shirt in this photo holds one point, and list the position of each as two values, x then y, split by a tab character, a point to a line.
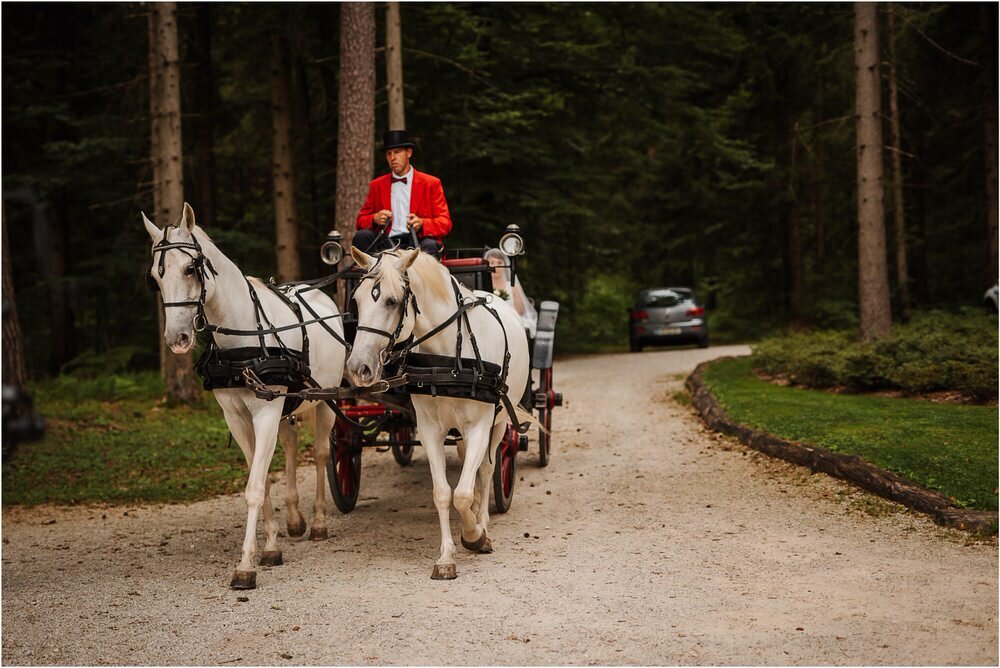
401	203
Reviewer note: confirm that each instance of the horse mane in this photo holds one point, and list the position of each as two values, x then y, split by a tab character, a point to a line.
433	277
425	269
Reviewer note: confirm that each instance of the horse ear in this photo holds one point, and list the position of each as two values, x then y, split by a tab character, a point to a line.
187	218
362	259
407	260
153	230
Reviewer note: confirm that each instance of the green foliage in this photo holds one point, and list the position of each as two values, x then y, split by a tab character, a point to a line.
945	447
937	351
112	440
601	320
647	143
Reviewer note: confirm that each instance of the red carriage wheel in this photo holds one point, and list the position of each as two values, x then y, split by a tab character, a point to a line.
545	416
343	468
504	470
401	451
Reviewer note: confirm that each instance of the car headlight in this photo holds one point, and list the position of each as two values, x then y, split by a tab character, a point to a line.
511	242
331	252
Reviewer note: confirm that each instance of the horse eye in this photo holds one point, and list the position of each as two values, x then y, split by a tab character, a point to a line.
391	302
189	270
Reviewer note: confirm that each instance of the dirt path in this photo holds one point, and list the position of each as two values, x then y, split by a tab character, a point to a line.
648	540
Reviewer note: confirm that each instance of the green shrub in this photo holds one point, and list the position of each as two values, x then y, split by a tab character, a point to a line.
936	351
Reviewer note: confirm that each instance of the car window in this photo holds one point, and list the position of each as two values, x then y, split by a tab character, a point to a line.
665	298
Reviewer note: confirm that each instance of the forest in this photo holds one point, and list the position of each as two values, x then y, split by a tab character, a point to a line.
635	144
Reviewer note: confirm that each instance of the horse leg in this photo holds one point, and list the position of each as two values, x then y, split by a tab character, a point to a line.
432	438
474	536
289	438
485	483
266	416
321	454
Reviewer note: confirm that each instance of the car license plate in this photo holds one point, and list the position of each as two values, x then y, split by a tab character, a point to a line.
667	331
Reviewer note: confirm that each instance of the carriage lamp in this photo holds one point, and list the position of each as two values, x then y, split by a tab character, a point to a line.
511	242
331	252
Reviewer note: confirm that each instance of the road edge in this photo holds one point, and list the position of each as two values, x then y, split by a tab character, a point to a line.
851	468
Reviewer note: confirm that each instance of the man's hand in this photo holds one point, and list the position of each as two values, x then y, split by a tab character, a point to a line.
382	218
413	222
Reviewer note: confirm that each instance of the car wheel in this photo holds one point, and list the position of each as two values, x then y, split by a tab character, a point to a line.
634	346
703	342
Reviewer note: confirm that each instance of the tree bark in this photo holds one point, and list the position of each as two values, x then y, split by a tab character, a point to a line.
285	219
356	117
168	167
13	351
394	67
873	274
899	217
796	296
990	127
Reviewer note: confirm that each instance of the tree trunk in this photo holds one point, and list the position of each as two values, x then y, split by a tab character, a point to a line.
796	296
205	96
356	118
285	220
168	167
873	274
990	60
899	217
13	351
394	67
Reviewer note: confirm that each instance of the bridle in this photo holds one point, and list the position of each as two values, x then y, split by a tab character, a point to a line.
391	351
200	266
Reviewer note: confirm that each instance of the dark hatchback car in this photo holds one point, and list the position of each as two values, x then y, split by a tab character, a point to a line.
663	316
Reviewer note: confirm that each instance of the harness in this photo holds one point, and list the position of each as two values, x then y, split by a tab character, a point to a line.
221	368
426	374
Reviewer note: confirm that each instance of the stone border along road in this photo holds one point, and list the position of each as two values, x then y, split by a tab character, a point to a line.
848	467
648	540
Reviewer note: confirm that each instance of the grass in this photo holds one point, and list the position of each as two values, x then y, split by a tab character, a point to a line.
113	440
945	447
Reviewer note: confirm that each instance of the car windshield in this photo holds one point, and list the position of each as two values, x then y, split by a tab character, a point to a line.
665	297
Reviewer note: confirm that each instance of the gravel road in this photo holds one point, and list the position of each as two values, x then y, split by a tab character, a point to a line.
647	540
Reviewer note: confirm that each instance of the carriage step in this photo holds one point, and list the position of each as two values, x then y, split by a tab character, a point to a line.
557	400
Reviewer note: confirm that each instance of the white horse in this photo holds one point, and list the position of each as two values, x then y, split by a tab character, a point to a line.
199	283
382	298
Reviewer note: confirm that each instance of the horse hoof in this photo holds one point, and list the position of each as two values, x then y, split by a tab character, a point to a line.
444	572
297	530
244	580
483	545
271	558
318	533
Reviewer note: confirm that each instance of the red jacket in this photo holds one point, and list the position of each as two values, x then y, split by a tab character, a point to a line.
426	201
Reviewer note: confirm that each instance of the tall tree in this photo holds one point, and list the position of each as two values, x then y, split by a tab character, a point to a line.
168	172
356	116
204	98
394	67
285	219
13	352
899	213
873	274
989	26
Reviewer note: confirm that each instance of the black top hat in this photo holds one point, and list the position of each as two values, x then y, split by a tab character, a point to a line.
396	139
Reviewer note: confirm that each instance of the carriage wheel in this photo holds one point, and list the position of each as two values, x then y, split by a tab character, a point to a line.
545	417
403	454
504	470
343	469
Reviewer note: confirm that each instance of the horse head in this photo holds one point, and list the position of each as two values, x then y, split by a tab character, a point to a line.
180	271
385	314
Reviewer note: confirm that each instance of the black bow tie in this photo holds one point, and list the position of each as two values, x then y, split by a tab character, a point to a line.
401	179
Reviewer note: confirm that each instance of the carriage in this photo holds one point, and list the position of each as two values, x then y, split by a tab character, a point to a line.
274	350
387	423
